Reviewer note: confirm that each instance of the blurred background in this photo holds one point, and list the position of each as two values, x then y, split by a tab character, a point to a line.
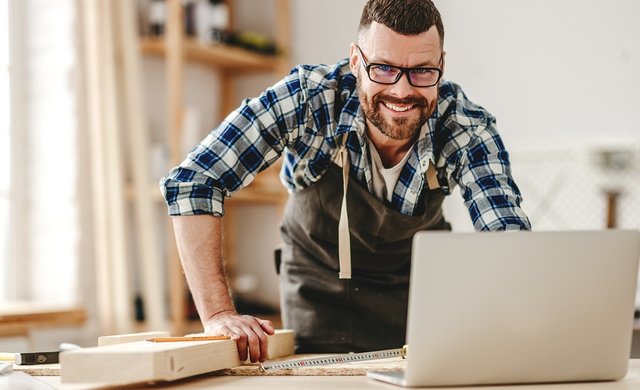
99	98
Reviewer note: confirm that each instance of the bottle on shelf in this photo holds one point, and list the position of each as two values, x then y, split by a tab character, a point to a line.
211	21
157	17
219	22
189	14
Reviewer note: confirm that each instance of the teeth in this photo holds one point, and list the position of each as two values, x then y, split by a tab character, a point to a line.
397	108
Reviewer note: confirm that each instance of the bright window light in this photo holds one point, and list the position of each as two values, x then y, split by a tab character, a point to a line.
5	142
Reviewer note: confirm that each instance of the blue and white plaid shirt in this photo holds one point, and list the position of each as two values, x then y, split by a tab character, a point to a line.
304	117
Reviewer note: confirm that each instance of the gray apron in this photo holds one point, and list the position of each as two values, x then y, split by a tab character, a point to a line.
369	311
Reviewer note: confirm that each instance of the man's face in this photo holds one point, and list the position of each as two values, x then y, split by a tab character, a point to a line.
399	110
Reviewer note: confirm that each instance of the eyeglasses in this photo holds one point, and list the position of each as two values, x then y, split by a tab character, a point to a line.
389	74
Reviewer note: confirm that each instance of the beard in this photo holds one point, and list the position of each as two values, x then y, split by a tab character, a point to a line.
398	128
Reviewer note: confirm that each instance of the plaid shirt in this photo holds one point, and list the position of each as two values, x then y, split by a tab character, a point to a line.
304	117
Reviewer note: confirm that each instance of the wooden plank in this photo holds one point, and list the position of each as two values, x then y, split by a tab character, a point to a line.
175	81
94	102
120	289
104	341
227	87
283	34
112	265
144	361
148	255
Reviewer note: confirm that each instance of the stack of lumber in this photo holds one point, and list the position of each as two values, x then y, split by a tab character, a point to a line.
145	361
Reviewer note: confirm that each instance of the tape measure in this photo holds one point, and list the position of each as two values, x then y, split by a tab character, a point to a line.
337	359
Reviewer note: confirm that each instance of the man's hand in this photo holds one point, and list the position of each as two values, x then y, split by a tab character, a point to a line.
199	240
250	333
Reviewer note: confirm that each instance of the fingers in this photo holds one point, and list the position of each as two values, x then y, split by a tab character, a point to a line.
256	339
240	338
248	333
262	343
266	326
236	334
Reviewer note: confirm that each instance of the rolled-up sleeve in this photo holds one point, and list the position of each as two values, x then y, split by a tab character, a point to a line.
487	186
249	140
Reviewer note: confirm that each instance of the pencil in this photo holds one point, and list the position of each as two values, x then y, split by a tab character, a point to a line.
187	338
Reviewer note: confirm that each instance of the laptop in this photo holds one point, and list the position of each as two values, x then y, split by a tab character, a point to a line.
520	307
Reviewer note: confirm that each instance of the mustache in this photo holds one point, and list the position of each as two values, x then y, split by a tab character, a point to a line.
418	101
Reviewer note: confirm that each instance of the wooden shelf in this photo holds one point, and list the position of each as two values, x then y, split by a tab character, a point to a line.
220	56
266	188
258	195
178	51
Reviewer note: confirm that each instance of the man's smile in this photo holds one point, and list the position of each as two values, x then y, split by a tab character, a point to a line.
398	108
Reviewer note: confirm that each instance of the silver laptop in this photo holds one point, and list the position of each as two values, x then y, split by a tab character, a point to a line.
525	307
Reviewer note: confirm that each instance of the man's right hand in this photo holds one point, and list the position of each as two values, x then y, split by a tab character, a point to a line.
250	333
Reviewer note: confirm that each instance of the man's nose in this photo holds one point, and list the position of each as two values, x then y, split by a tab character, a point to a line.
402	87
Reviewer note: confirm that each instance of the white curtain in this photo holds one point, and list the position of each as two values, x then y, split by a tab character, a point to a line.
78	145
44	231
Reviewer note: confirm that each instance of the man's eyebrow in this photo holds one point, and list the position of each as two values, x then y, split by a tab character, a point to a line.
424	64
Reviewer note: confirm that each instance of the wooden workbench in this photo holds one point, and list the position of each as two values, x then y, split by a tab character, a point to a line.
632	381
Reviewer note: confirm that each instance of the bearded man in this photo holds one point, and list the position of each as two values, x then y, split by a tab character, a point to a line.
371	146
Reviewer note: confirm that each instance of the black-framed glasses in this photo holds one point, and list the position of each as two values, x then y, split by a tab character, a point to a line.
390	74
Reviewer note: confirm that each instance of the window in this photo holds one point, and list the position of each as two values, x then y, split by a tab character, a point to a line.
39	212
5	150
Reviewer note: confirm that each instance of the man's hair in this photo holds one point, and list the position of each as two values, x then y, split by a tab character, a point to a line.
406	17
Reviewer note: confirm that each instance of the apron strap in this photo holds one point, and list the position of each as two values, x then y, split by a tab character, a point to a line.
432	177
344	239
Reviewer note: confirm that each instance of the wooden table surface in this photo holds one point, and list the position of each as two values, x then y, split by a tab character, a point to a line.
631	381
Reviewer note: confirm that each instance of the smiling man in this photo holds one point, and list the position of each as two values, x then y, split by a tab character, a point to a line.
382	127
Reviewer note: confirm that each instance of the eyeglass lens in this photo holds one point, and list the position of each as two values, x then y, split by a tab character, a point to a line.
388	74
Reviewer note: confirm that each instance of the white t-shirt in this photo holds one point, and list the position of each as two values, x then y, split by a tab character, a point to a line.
384	179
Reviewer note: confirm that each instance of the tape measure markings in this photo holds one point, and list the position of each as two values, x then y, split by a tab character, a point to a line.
337	359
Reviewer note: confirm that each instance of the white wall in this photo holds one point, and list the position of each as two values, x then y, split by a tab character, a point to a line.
562	79
548	68
322	31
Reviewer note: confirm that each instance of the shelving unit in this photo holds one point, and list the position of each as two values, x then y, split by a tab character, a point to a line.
219	56
232	62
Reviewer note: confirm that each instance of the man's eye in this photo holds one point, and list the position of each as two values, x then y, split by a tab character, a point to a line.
384	68
422	71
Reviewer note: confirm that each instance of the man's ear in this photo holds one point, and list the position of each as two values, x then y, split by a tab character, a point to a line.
444	54
353	59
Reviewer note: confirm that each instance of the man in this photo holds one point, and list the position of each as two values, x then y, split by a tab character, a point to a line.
404	136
